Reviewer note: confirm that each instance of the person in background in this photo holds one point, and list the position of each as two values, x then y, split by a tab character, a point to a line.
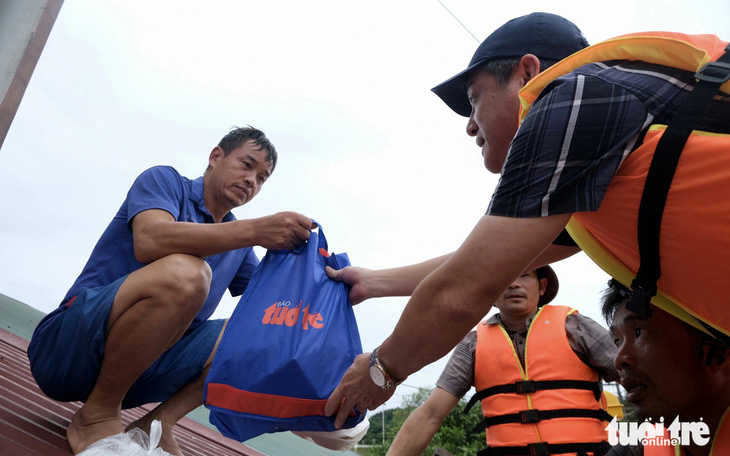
670	370
528	343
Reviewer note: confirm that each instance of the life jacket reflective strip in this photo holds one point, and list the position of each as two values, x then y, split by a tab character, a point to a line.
677	50
696	210
720	442
548	357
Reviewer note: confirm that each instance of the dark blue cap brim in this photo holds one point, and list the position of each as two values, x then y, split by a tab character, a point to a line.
544	35
453	92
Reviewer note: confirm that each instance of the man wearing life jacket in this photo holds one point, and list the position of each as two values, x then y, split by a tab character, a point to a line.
537	371
580	135
671	370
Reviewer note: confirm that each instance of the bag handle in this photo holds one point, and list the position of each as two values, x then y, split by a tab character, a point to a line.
321	242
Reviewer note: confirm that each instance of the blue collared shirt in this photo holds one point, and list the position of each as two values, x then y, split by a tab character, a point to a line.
162	187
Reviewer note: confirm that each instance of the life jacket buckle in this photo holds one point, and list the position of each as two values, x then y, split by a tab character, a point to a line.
641	298
525	386
538	449
714	72
529	416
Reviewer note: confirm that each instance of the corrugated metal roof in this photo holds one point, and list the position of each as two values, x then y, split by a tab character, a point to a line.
33	424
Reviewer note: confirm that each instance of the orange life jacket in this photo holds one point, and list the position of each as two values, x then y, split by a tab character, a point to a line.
552	405
720	442
695	241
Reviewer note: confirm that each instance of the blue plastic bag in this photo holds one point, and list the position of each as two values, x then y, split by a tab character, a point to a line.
287	345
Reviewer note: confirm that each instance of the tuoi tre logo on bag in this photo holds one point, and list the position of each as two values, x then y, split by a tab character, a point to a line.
281	313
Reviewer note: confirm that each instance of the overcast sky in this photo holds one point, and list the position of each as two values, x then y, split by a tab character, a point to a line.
342	89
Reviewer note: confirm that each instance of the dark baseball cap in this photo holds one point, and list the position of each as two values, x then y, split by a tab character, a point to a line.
547	36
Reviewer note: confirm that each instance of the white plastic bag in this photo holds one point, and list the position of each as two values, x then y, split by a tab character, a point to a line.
339	440
133	443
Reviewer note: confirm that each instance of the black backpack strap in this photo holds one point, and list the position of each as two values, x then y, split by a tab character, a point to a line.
661	172
530	386
546	449
534	415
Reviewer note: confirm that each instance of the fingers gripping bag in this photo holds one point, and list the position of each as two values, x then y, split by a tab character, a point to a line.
286	347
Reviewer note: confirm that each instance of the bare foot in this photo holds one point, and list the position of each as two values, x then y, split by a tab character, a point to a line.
167	441
91	425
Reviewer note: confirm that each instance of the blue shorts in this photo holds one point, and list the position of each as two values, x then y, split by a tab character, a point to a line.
67	348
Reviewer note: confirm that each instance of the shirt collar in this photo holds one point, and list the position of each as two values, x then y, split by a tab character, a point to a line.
496	319
198	197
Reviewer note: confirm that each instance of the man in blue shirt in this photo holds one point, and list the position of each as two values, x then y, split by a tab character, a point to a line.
134	329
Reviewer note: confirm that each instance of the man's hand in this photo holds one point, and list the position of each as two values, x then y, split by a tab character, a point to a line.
378	283
356	389
283	230
356	278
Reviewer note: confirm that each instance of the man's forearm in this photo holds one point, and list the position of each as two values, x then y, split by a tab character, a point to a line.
552	254
402	281
157	234
414	436
423	424
459	293
447	304
199	239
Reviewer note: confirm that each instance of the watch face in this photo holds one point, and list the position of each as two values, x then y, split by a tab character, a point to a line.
377	376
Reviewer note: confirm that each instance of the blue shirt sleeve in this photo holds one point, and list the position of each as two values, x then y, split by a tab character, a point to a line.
160	187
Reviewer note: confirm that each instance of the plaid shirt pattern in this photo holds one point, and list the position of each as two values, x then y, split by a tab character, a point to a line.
579	131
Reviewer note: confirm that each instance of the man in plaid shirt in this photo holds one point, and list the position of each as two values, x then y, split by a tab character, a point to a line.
559	161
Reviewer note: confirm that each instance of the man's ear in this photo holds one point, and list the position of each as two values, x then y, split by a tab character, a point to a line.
713	351
528	68
215	155
543	285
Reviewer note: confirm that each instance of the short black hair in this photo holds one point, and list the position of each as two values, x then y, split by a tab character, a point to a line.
240	135
710	349
613	296
501	69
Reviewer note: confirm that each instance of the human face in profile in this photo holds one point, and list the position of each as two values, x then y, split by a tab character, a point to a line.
494	117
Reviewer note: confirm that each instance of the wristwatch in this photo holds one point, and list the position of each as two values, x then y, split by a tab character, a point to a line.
379	375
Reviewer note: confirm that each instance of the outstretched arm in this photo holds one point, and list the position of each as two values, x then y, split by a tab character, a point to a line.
449	302
422	424
378	283
552	254
402	281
